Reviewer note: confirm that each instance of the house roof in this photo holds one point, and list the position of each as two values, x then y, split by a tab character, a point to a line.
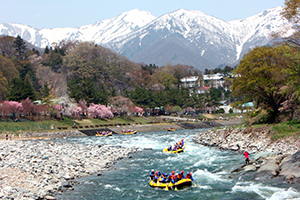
203	88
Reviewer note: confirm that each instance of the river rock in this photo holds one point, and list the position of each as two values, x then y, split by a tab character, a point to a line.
268	170
249	168
34	169
265	154
278	160
289	168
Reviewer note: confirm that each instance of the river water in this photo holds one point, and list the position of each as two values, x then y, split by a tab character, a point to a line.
211	170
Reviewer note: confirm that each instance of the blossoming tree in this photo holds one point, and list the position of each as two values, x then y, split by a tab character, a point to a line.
100	111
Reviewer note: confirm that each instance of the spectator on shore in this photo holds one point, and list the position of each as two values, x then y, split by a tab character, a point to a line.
247	157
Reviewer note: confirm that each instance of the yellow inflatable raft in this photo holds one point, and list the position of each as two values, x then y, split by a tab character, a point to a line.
171	129
180	184
129	132
100	135
177	151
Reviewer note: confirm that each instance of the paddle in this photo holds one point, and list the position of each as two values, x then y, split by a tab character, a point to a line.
194	183
167	188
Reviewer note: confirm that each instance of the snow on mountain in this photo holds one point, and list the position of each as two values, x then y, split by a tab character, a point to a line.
258	29
99	32
183	36
213	41
193	30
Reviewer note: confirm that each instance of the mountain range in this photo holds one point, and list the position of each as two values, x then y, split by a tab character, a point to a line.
181	37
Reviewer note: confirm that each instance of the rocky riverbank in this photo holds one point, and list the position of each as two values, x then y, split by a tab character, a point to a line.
38	169
278	160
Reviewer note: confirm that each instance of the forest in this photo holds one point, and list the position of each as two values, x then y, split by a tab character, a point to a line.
72	78
94	75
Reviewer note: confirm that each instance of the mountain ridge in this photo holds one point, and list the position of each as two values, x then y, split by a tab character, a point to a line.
144	38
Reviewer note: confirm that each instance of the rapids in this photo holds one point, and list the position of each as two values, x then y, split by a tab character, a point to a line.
211	170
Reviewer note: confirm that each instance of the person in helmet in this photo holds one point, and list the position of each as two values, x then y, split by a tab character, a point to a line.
175	147
169	148
189	176
159	173
180	176
156	176
172	177
163	178
152	175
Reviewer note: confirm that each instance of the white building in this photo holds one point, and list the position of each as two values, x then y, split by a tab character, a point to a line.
214	80
211	80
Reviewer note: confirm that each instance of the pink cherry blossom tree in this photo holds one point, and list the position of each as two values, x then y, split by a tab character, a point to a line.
100	111
29	108
12	107
75	111
138	109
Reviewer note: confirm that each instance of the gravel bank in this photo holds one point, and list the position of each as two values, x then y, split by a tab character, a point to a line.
38	169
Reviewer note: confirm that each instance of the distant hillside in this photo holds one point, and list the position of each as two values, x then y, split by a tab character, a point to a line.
183	36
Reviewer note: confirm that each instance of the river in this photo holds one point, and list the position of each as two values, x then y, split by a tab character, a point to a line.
210	167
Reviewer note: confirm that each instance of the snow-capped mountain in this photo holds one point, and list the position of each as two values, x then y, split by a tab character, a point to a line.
186	37
100	32
197	39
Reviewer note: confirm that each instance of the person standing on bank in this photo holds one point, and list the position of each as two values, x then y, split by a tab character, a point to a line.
247	157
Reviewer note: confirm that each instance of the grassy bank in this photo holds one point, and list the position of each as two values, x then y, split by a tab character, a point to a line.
8	126
285	129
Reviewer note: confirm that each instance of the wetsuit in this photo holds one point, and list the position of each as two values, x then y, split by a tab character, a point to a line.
152	175
188	176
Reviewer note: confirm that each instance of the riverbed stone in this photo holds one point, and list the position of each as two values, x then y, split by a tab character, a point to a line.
278	160
249	168
32	169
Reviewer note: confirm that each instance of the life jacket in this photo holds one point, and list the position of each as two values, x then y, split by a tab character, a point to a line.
188	176
152	175
179	176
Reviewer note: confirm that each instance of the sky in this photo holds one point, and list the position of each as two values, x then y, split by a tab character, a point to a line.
75	13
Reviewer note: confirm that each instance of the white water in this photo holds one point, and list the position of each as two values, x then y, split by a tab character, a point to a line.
211	170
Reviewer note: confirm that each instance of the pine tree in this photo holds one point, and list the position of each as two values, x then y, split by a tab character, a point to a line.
20	90
46	50
20	48
46	90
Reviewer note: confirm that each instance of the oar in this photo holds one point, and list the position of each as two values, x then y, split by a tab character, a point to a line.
167	188
175	187
195	185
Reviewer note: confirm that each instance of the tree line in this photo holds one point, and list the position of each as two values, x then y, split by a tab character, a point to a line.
267	76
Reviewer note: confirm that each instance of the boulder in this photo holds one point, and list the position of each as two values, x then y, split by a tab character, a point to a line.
265	154
268	170
249	168
290	168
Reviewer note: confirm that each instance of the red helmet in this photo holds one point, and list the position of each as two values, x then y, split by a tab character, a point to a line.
182	171
156	172
191	173
173	172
